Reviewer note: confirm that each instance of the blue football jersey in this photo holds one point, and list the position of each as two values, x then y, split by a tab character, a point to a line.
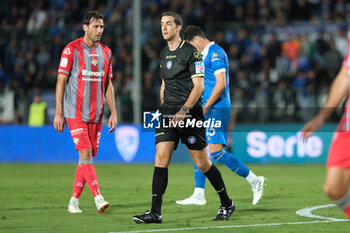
215	62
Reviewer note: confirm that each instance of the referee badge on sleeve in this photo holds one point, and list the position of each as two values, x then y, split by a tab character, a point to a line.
199	67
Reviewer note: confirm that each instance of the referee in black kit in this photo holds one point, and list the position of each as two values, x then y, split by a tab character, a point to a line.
182	72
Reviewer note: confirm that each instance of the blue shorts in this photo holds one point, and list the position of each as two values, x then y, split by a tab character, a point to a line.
213	133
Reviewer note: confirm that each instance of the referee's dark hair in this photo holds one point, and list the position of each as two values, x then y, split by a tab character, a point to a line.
192	31
92	14
177	17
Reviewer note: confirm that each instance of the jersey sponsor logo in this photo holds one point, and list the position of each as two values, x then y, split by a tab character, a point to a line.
64	62
91	73
199	67
191	140
197	55
215	55
67	51
92	79
216	59
93	55
169	64
94	62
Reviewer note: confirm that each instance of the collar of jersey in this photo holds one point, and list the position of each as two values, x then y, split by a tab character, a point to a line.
206	50
84	44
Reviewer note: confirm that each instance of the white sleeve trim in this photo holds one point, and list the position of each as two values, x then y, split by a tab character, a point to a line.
219	71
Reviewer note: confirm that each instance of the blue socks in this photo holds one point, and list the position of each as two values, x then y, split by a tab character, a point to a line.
230	160
199	178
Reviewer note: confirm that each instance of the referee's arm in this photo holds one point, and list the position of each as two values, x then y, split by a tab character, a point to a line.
196	92
161	93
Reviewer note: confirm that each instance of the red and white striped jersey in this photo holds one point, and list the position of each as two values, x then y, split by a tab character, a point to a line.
88	69
344	124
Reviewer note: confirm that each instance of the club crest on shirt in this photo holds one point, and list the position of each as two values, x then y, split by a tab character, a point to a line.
76	140
169	64
94	62
67	51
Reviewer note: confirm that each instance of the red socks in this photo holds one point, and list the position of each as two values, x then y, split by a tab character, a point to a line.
347	211
85	173
91	179
79	182
344	204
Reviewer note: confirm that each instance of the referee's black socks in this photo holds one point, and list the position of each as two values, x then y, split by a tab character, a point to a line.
215	178
159	184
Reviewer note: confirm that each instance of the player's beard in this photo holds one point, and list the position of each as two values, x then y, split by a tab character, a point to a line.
93	38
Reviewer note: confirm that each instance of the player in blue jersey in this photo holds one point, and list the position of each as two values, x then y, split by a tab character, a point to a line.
217	105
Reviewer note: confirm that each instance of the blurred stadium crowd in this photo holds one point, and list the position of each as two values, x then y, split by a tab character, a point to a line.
283	53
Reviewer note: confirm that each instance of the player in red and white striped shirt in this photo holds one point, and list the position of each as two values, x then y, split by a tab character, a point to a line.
338	165
84	73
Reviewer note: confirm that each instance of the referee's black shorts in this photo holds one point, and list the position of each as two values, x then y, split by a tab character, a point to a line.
192	137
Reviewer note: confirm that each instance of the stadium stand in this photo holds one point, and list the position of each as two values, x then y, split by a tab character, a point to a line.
283	54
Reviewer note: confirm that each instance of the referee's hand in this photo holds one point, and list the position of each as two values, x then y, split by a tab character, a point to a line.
58	123
179	116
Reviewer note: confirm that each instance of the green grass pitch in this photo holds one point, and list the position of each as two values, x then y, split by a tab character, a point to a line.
34	198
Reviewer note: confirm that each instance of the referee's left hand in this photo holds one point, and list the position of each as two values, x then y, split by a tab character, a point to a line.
179	116
112	122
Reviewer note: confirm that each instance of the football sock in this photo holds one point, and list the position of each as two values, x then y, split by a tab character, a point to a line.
90	176
74	200
199	192
199	178
344	204
252	178
347	212
79	182
98	197
231	161
159	184
215	178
